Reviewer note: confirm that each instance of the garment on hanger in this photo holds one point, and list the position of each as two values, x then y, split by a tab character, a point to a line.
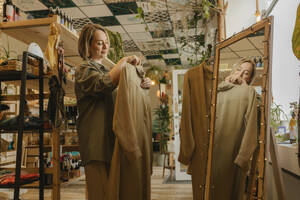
131	165
195	124
235	140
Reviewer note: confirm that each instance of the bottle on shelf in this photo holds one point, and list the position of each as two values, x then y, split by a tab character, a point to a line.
17	15
56	12
4	11
65	19
9	8
61	17
71	24
51	12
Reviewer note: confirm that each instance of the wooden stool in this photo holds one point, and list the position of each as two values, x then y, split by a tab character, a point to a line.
168	166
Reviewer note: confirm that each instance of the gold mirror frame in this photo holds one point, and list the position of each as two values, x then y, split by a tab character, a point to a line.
265	24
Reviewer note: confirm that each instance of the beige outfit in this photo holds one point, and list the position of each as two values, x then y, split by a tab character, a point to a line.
195	124
96	174
95	93
131	166
235	140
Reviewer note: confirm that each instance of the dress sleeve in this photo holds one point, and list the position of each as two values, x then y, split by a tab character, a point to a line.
123	125
91	81
187	142
249	141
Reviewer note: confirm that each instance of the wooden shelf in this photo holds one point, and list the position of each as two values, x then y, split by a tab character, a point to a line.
37	30
28	97
65	148
29	170
33	185
14	76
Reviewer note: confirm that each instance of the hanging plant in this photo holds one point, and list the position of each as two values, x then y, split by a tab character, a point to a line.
116	52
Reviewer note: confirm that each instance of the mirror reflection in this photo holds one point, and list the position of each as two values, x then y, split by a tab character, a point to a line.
236	125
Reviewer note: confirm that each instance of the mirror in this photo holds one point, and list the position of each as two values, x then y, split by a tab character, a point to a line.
239	113
177	87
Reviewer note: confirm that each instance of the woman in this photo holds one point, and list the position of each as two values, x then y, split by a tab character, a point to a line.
235	137
243	72
95	86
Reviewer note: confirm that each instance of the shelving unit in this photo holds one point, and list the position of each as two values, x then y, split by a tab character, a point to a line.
37	30
23	76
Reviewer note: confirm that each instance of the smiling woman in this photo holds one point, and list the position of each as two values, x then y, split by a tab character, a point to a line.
243	72
95	89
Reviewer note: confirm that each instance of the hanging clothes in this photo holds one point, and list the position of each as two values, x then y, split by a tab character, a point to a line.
131	165
235	140
195	124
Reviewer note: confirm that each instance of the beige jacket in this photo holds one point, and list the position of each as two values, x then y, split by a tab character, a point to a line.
94	92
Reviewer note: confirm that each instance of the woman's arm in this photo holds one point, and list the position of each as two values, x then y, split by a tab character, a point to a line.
115	72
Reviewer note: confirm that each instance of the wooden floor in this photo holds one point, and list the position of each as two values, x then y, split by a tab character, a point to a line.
75	190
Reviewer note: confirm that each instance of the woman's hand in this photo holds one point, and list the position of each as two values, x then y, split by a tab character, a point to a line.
146	83
133	60
235	79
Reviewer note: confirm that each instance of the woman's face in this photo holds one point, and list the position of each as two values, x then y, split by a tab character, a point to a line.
99	46
244	71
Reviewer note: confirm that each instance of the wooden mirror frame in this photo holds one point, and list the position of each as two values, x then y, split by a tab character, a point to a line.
265	24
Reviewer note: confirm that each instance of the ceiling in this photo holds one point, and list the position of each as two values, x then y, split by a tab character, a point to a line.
250	47
155	38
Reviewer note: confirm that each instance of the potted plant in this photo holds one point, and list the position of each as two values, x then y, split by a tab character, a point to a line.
276	114
161	126
6	53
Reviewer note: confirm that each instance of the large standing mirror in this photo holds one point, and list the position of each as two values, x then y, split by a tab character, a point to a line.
239	115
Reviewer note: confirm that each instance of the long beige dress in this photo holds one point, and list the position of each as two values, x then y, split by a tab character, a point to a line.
131	166
235	140
195	124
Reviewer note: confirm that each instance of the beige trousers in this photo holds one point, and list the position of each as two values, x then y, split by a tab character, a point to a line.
96	174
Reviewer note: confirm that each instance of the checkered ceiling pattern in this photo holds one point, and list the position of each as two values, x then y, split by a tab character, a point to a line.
157	38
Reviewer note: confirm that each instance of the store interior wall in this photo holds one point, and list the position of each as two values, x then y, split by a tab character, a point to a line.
285	66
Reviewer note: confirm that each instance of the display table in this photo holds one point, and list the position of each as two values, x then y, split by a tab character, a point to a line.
288	159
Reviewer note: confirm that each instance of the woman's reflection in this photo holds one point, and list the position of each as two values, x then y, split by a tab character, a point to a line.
243	72
236	132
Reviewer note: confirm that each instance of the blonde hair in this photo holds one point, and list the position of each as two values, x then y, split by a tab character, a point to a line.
246	60
86	37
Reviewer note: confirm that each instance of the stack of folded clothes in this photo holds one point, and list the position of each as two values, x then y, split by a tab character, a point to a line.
9	180
30	123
